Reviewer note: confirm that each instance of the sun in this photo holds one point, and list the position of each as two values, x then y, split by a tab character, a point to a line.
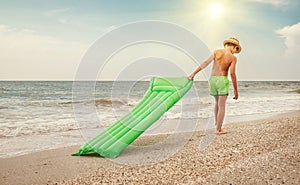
215	10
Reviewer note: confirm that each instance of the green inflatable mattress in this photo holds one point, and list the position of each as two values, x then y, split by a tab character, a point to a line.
162	94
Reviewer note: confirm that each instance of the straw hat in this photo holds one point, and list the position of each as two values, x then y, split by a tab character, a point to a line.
234	41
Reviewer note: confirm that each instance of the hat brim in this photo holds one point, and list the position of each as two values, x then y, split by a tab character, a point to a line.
233	42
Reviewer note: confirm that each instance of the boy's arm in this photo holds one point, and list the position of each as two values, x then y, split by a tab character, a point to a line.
202	66
233	78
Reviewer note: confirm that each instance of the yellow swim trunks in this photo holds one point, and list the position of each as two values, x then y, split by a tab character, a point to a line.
218	85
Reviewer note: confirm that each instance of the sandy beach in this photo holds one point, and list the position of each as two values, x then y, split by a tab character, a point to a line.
265	151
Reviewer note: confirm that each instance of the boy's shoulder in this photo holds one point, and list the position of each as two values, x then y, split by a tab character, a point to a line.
219	51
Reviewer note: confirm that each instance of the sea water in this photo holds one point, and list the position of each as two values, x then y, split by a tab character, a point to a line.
39	115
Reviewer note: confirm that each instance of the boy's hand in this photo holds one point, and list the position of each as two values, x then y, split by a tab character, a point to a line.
191	77
236	96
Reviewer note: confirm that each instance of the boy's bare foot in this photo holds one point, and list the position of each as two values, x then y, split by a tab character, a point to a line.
221	132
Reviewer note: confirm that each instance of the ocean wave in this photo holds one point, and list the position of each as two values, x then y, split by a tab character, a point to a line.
295	91
3	89
98	102
289	100
18	129
109	102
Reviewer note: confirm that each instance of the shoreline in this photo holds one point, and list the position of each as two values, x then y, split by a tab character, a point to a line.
265	151
24	144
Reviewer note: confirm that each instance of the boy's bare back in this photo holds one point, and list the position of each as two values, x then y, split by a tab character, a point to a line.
222	61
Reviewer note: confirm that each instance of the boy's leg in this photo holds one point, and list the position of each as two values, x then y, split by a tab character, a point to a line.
221	112
216	108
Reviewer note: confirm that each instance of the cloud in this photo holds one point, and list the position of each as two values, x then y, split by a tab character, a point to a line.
26	54
59	14
291	34
276	3
60	10
55	12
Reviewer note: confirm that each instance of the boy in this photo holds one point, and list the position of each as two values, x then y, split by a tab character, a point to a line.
218	82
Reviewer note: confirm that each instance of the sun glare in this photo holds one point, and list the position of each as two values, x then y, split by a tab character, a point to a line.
215	10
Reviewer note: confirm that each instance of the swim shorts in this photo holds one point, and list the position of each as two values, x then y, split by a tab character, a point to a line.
218	85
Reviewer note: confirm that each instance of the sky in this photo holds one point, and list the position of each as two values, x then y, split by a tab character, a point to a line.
47	40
